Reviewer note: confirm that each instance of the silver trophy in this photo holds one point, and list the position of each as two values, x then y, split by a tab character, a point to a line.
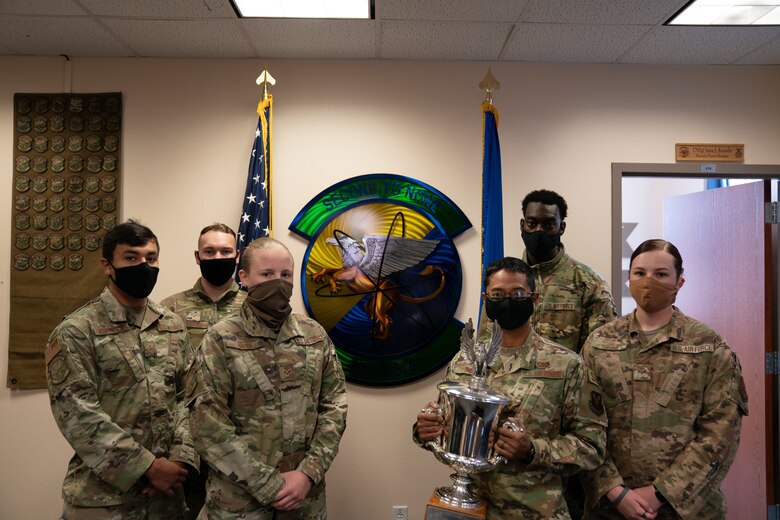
471	412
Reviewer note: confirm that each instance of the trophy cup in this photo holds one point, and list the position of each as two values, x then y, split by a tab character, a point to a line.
471	411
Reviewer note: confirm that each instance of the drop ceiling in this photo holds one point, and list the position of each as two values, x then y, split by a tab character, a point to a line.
556	31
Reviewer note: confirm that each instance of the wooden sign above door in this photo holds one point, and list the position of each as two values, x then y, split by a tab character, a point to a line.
709	152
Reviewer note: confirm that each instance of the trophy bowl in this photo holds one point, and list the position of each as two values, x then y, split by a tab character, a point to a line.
471	412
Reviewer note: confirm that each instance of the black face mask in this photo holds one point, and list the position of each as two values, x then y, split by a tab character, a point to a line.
510	314
539	244
217	271
136	280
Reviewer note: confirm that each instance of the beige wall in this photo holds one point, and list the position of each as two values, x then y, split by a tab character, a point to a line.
187	131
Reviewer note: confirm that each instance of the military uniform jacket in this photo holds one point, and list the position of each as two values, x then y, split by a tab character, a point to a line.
563	413
573	301
266	404
199	312
114	389
675	404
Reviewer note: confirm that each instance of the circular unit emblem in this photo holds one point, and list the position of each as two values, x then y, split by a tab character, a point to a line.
383	276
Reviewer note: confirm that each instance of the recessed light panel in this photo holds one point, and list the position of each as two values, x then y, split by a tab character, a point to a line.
303	8
729	12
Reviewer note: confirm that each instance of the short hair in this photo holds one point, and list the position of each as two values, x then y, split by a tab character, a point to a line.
218	227
513	265
132	233
259	244
548	198
659	244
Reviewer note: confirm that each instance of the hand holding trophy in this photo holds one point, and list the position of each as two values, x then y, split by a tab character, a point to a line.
464	427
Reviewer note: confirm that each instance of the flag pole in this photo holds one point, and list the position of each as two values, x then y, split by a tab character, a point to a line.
492	231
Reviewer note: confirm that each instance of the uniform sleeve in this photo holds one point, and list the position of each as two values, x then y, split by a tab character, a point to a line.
183	446
599	308
597	482
108	450
582	441
215	434
703	463
331	418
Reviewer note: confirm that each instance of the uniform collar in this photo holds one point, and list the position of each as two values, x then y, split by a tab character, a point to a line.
117	312
676	329
549	265
229	293
524	355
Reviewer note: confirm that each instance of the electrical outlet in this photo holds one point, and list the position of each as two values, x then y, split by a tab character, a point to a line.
400	513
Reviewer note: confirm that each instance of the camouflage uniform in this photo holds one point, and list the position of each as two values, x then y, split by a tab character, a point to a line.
199	312
114	387
266	404
675	401
573	301
552	392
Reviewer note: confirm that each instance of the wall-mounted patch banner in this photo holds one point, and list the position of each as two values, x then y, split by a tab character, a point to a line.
383	276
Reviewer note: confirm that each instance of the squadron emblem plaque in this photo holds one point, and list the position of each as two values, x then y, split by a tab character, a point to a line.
383	276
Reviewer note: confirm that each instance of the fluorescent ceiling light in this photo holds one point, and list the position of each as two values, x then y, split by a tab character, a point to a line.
303	8
729	12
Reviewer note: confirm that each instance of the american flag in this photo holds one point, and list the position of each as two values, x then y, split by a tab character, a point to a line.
256	211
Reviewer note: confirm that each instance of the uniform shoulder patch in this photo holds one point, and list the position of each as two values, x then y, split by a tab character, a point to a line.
52	350
596	403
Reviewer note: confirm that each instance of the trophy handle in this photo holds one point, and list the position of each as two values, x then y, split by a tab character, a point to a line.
436	445
500	459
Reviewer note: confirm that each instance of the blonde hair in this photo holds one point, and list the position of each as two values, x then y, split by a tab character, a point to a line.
260	244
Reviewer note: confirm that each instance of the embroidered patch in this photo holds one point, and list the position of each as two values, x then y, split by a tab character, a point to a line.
596	404
58	370
558	306
52	350
693	349
543	364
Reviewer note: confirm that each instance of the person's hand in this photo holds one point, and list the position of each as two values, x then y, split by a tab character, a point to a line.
632	506
430	425
513	445
296	487
164	477
648	494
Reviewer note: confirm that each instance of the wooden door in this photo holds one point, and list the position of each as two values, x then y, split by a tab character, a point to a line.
726	251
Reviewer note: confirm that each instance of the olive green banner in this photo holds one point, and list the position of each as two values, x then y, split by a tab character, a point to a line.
66	195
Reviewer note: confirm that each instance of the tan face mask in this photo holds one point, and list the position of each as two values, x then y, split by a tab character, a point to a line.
270	302
651	295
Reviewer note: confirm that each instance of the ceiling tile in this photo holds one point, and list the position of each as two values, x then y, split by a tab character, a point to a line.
417	40
183	38
571	43
769	54
180	9
610	12
41	7
452	10
312	38
44	36
698	45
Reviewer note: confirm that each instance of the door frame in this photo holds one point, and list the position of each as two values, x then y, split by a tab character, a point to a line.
704	170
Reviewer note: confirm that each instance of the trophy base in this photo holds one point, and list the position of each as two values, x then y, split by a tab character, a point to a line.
438	510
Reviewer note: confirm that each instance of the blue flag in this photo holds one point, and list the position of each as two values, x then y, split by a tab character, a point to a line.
256	210
492	201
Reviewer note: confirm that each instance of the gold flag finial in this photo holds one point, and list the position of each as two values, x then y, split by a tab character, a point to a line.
265	78
489	83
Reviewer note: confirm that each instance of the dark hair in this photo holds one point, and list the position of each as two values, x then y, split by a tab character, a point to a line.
513	265
219	227
131	233
548	198
658	244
